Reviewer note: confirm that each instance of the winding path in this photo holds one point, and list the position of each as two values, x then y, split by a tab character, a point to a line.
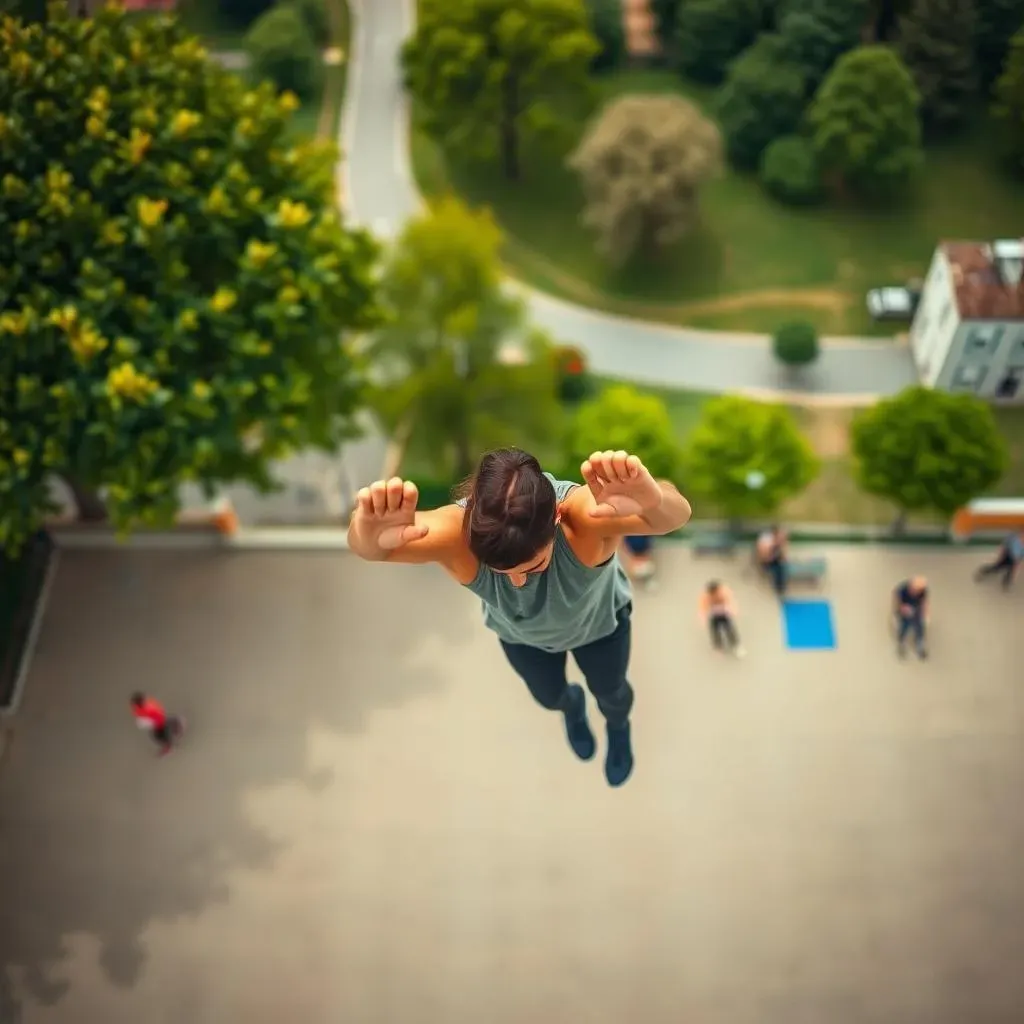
381	194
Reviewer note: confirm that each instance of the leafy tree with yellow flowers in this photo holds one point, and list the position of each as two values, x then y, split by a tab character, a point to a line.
175	279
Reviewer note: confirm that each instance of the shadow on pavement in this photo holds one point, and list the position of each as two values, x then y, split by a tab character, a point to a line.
262	653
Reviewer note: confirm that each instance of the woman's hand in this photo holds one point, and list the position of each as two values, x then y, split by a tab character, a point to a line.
621	485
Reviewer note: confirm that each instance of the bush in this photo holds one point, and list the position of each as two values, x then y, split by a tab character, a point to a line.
282	49
574	383
796	344
314	13
240	12
606	24
790	172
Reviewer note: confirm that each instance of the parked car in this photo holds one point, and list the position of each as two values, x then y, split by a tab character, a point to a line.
893	303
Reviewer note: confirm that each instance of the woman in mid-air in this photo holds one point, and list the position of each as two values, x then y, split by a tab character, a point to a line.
541	555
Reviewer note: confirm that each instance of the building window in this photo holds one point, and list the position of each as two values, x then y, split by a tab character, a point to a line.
969	376
983	341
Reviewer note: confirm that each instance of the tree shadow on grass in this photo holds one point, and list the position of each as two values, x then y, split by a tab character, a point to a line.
258	650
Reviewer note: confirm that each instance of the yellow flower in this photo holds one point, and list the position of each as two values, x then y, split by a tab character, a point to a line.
258	253
137	146
64	318
95	126
188	320
57	179
184	121
137	50
253	196
23	230
126	382
237	172
293	215
246	125
85	342
140	304
99	100
289	295
14	187
119	64
13	323
288	101
125	347
201	390
202	155
112	233
21	457
54	49
223	299
151	211
20	64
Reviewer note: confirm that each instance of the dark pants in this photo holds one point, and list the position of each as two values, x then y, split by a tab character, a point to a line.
776	569
604	664
167	733
1004	564
912	623
723	629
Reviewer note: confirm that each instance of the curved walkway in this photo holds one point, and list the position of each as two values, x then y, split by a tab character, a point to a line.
381	195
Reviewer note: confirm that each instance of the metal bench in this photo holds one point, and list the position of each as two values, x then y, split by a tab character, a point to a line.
807	570
713	544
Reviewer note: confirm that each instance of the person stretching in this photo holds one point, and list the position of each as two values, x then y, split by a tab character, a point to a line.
910	605
1007	560
772	554
541	554
717	611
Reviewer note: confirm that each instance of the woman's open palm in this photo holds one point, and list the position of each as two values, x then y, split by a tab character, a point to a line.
387	513
621	485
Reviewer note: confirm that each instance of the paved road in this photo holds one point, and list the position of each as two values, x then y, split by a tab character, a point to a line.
381	195
372	822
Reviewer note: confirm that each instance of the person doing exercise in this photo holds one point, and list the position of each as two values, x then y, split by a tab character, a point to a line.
717	611
772	555
1007	560
638	560
541	554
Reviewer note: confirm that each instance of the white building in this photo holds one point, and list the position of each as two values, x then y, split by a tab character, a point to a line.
968	331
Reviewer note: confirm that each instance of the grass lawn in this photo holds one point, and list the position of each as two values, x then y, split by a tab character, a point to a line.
833	497
752	263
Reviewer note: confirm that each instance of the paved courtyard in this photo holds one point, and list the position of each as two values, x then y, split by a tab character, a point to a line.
371	822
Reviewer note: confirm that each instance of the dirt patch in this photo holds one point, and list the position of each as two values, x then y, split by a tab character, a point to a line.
828	299
828	430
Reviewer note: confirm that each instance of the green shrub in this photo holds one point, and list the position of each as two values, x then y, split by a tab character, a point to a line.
314	13
796	344
239	12
606	24
574	383
790	172
282	49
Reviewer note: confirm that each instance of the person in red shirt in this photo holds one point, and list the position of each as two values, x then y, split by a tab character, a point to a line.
150	715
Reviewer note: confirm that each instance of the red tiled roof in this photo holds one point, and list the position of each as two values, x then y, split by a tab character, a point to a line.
981	293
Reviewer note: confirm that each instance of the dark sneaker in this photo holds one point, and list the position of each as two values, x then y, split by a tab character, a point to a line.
922	653
618	763
577	728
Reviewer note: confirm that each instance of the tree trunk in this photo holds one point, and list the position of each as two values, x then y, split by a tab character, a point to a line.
91	508
509	129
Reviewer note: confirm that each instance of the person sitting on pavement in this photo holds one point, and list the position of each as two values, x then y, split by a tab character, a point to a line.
717	610
773	555
1007	560
910	608
638	559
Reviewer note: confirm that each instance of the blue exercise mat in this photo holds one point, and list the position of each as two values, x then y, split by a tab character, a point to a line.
808	625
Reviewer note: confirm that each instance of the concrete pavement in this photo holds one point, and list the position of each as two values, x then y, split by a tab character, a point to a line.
381	195
372	822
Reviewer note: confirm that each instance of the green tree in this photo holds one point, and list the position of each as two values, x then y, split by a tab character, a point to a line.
623	418
666	16
996	22
937	46
241	13
282	49
482	72
865	125
314	13
790	172
173	274
457	362
710	33
928	451
816	33
607	25
642	162
760	101
737	441
1008	109
796	343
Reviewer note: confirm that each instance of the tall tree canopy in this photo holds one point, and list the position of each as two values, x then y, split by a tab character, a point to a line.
1008	110
173	273
928	451
937	45
457	362
484	71
642	162
711	33
815	33
865	125
996	23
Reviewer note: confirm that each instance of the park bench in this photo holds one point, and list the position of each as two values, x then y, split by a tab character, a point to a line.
807	570
713	544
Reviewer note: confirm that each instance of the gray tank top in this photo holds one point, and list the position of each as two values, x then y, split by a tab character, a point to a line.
565	607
